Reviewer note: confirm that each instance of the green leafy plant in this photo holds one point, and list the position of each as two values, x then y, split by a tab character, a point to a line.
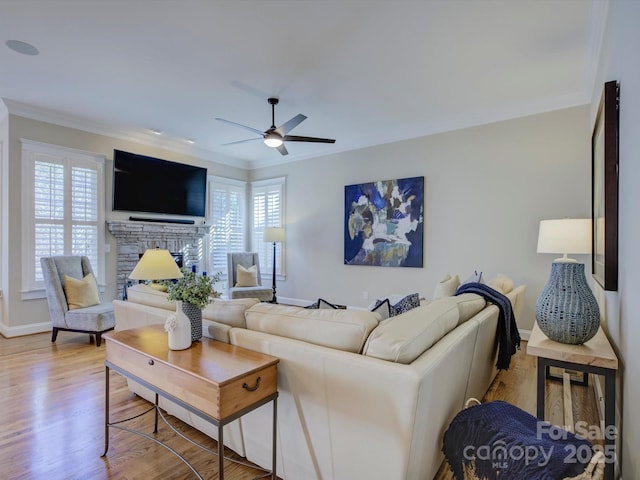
195	289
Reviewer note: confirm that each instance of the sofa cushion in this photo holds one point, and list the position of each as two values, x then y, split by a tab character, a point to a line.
501	283
146	295
95	318
469	304
405	337
446	287
229	312
335	328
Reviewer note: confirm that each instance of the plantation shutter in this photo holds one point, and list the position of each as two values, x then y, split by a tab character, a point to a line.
268	212
63	207
227	219
49	212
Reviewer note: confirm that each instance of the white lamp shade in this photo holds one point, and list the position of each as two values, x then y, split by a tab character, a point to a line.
274	234
565	235
156	264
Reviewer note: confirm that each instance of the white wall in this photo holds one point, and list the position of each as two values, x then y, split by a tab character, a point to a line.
486	189
619	61
4	210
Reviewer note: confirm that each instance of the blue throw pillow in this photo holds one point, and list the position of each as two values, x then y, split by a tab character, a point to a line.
407	303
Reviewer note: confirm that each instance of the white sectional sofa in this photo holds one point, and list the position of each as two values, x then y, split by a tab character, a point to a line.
359	398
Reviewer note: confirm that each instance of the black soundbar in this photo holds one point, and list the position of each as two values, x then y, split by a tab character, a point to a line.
162	220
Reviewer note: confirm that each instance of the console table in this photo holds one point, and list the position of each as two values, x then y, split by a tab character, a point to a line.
595	356
214	380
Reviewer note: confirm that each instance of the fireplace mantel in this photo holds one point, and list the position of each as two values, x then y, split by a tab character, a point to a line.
134	238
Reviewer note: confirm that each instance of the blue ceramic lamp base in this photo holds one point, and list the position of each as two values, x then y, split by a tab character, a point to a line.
567	310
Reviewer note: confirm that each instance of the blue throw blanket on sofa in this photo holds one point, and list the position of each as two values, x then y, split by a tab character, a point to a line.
508	335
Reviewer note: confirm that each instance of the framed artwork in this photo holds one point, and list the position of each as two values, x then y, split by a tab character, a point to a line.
604	189
383	223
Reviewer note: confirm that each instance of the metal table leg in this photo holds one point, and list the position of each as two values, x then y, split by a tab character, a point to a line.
106	411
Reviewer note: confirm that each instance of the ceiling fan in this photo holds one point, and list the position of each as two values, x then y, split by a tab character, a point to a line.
275	137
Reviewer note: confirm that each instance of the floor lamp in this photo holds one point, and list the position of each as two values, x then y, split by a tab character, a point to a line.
275	235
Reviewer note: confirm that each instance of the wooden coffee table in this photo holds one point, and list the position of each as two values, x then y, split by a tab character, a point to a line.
214	380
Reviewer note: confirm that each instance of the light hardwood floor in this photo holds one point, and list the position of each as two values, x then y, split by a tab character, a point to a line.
52	411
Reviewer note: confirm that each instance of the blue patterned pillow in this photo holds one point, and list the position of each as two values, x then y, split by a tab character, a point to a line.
403	305
407	303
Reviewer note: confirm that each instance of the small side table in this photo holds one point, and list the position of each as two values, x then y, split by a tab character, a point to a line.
595	356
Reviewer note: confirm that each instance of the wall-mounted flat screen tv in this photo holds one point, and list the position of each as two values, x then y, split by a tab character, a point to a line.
147	184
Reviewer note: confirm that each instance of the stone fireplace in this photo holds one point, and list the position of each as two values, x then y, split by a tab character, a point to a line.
134	238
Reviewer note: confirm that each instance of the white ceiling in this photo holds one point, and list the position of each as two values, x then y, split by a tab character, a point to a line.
363	72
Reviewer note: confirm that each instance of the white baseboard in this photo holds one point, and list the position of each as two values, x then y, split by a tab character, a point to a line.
524	334
21	330
295	301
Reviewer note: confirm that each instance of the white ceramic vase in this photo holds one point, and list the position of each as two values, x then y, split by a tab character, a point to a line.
180	336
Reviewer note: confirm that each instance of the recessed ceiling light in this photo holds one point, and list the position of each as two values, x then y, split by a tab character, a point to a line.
190	141
22	47
156	131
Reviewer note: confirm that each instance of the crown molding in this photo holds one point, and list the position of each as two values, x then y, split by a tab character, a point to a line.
451	124
131	135
447	125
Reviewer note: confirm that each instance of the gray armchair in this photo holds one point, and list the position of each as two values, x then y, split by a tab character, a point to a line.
93	320
247	260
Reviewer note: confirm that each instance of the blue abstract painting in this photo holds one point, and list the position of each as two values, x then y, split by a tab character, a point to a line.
383	223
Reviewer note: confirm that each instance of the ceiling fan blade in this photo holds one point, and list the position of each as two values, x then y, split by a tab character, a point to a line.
259	132
282	149
289	125
295	138
240	141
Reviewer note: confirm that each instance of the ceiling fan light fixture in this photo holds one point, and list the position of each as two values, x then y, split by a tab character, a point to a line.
273	141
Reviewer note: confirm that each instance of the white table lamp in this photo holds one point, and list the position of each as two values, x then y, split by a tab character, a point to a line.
156	264
565	236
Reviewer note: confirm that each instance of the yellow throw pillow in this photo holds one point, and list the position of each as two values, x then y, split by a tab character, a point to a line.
247	277
81	293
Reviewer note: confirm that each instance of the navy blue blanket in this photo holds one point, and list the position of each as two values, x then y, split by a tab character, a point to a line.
508	335
502	441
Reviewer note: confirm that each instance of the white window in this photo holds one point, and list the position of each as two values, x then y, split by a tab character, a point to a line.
268	200
63	209
227	218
